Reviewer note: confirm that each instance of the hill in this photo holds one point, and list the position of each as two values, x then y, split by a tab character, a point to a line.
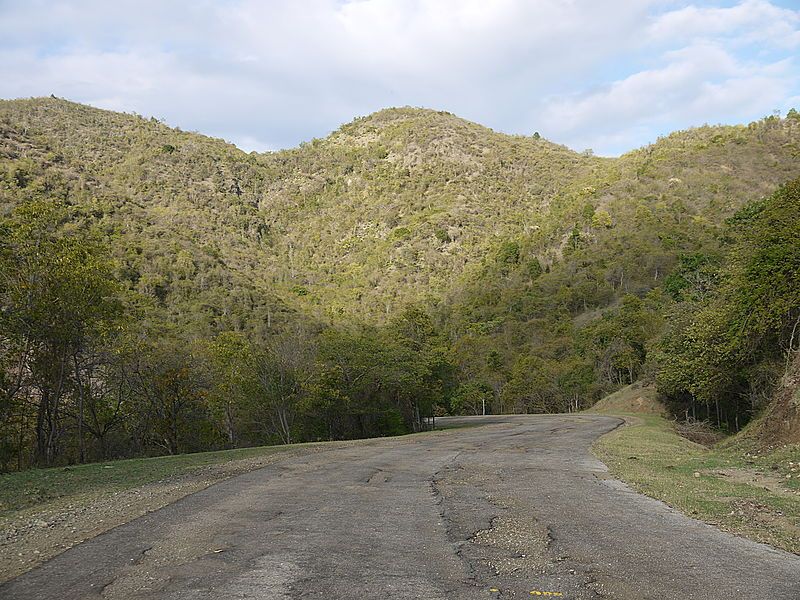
388	209
509	269
634	398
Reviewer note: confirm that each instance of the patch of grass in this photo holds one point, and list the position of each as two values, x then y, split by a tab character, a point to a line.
738	491
35	487
634	398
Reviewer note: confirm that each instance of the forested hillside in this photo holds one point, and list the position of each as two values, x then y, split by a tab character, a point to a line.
162	291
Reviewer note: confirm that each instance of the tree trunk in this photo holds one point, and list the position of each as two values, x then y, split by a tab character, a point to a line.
285	431
101	440
52	415
81	443
173	429
41	437
229	425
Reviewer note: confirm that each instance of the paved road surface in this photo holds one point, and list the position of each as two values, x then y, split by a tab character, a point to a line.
498	511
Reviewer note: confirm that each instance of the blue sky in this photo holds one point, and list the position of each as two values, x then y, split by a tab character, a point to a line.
609	75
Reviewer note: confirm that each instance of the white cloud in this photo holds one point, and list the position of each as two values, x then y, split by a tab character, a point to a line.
271	74
702	83
250	144
749	21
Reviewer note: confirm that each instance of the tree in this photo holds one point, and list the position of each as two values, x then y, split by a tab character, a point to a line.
170	392
354	366
616	343
472	398
105	394
283	369
531	388
716	352
422	372
232	366
601	219
58	298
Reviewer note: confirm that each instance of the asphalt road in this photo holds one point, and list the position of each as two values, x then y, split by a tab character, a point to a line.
498	511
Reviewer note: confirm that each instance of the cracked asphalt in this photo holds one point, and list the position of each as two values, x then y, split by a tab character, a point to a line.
515	508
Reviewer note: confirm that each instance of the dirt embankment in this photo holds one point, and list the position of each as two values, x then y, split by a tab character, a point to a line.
780	423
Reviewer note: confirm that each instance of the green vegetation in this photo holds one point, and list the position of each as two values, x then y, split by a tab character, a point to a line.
39	487
736	323
164	292
742	492
632	399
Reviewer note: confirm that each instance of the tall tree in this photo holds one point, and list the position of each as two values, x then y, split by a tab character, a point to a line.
58	298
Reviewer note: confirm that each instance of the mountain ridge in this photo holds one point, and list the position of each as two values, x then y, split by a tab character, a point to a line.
408	185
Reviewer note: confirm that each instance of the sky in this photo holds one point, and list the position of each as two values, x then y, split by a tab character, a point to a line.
609	75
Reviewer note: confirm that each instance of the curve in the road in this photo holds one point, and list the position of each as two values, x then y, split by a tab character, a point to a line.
502	510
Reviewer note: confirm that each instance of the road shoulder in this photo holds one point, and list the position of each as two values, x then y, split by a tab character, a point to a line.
756	496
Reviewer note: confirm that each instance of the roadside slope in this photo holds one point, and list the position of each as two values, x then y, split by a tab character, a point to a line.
750	493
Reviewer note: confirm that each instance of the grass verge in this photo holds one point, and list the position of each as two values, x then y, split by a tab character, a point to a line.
38	487
756	495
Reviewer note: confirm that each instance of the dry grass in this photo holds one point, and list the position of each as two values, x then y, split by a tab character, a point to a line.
635	398
753	495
